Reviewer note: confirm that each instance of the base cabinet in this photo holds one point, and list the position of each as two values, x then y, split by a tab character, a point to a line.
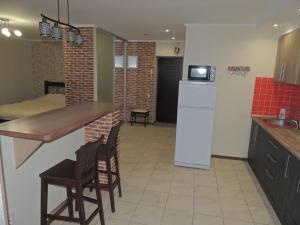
278	172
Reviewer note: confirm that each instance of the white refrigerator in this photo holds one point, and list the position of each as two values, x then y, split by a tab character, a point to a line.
195	122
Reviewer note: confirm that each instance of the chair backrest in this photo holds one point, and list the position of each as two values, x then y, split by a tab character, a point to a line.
112	139
86	160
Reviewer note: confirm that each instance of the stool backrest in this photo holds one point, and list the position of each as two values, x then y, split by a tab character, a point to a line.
112	139
86	160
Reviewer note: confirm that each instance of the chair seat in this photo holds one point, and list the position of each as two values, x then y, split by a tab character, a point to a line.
63	171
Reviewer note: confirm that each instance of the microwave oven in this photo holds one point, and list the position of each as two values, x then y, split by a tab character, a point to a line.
202	73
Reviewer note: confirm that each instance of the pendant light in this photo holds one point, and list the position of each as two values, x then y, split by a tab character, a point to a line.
78	39
44	28
70	34
56	32
73	33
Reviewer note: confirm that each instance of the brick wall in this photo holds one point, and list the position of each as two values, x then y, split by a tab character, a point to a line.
79	68
79	79
119	77
141	81
100	127
269	97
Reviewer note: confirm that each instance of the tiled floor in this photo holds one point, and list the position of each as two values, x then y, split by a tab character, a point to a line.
155	192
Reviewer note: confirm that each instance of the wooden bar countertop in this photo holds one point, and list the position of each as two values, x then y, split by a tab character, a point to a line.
288	138
57	123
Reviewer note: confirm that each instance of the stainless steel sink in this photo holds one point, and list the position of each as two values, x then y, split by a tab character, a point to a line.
289	124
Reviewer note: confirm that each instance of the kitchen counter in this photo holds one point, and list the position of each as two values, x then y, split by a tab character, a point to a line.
48	126
288	138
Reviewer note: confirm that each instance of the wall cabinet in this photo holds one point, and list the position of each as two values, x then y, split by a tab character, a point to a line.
287	68
278	172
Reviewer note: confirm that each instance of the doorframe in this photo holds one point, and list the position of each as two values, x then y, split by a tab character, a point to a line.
156	79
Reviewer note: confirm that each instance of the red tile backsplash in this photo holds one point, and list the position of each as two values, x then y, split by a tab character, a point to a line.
269	97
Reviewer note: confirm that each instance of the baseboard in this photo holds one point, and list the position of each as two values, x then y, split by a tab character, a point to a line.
229	157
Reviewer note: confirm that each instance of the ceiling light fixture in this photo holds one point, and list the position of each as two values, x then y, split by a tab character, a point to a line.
18	33
73	34
167	30
275	25
6	30
298	9
173	38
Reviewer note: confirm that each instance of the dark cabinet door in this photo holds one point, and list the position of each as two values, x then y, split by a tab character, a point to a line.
293	194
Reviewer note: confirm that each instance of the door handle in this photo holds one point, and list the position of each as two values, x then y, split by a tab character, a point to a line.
269	174
275	146
298	186
271	158
287	166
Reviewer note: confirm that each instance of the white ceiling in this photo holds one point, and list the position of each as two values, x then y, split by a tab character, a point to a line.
132	19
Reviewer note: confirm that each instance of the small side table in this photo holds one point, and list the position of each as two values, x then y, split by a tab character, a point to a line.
140	113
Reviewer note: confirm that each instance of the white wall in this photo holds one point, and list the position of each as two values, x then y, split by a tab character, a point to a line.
23	184
236	45
166	48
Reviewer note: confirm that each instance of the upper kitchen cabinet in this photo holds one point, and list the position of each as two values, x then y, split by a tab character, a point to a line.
287	69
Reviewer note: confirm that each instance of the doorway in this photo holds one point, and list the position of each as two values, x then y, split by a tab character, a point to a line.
169	73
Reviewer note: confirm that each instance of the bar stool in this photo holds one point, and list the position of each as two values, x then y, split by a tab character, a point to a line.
106	153
77	175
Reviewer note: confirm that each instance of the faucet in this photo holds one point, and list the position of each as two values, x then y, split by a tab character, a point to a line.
297	123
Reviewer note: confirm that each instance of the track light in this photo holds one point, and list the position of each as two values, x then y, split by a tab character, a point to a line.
18	33
5	31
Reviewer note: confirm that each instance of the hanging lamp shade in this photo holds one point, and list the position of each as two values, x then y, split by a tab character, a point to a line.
78	39
44	27
71	36
56	32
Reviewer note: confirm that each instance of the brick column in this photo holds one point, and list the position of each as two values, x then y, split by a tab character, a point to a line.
79	68
99	127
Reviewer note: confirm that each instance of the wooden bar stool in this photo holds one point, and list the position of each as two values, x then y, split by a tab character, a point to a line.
106	153
77	175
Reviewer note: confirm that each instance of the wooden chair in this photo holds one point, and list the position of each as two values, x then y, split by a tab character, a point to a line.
74	175
106	153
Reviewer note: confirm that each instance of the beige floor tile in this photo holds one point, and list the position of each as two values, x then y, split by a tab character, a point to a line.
209	181
172	217
182	188
229	195
158	185
236	211
148	215
154	198
180	203
236	222
200	219
262	215
227	189
207	207
110	221
124	211
206	192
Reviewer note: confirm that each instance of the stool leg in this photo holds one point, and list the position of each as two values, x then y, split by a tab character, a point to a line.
70	202
110	185
145	120
118	174
44	201
81	205
131	120
99	198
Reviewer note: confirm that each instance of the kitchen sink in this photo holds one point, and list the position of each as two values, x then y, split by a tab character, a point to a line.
288	124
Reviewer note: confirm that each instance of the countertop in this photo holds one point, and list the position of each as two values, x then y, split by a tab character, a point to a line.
288	138
54	124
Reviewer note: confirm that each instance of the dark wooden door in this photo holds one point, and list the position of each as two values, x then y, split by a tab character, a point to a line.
169	74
